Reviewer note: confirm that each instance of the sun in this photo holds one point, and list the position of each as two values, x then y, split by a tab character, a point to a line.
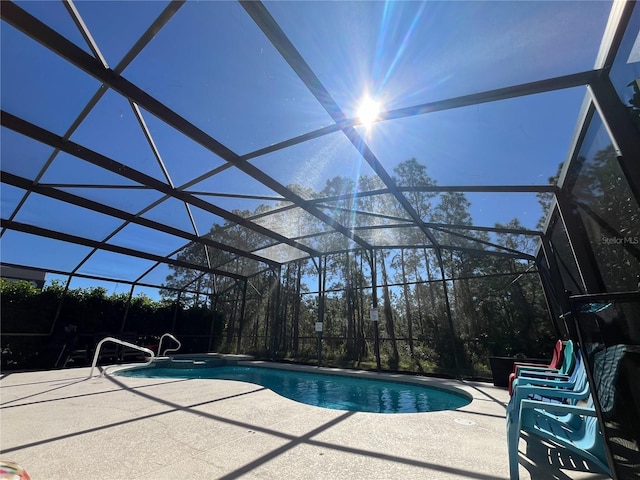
368	111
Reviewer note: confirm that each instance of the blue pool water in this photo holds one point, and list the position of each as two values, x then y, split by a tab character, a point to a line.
322	390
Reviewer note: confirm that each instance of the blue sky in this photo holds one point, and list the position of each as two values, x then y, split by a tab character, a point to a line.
213	65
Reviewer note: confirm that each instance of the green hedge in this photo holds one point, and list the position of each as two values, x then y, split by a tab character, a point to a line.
91	314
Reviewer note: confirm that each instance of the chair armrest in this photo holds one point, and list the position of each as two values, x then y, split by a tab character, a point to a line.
545	382
550	375
557	408
532	368
518	365
522	392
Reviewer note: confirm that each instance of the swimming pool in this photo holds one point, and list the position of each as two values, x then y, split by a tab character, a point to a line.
323	390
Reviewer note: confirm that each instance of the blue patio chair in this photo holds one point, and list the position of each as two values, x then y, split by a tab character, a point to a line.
571	392
576	381
567	366
569	426
563	373
551	411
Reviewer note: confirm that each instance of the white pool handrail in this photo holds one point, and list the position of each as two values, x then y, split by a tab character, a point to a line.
119	342
160	353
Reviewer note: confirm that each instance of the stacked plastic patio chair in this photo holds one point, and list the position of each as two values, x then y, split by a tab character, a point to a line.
556	361
556	408
562	363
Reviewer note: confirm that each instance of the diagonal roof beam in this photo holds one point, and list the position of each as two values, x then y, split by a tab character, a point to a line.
531	88
513	231
87	242
165	172
477	240
146	37
44	136
26	184
495	253
261	16
84	31
478	251
55	271
484	188
42	33
517	231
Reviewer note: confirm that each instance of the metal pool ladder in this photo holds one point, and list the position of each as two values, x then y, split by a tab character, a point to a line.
96	355
160	352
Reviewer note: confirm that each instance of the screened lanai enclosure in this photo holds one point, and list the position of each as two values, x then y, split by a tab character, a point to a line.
402	186
413	186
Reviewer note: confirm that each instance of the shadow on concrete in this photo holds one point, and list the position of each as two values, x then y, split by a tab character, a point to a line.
67	379
293	440
69	397
544	460
308	439
485	394
175	407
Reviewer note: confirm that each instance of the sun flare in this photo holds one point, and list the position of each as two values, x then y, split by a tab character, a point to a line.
368	111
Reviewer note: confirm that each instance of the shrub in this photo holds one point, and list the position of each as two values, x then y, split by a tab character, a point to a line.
91	313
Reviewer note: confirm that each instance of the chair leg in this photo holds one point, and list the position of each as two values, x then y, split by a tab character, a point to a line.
513	438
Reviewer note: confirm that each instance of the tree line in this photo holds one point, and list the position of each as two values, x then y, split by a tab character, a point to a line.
440	310
486	305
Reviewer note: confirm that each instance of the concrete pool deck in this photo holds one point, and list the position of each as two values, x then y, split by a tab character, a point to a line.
60	425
